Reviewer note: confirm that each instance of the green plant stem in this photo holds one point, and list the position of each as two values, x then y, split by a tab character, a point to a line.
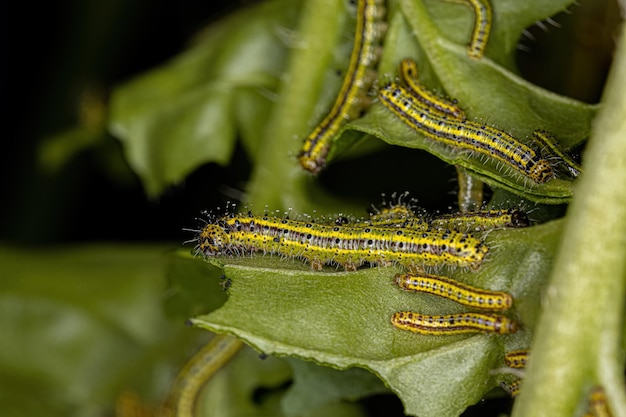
319	27
579	337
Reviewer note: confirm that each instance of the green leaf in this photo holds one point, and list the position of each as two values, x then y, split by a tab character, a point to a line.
245	77
487	90
86	325
254	384
81	325
341	319
193	287
185	114
316	385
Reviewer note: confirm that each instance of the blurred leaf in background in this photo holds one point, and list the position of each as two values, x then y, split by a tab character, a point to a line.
81	324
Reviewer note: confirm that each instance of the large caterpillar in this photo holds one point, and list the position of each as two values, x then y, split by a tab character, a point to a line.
350	246
481	139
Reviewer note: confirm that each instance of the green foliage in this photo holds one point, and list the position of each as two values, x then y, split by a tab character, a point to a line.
190	111
82	324
265	75
433	33
484	88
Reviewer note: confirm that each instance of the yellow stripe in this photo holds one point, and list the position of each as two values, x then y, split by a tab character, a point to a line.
512	387
598	406
400	215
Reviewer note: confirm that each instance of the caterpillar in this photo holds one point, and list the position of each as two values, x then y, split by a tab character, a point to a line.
548	141
400	214
461	293
403	215
453	323
482	27
512	387
350	246
483	220
517	358
408	74
357	81
481	139
197	371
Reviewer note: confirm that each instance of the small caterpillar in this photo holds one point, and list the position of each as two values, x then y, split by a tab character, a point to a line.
547	140
482	139
198	370
398	213
517	358
350	246
453	323
408	74
357	81
398	216
482	27
461	293
483	220
403	215
512	387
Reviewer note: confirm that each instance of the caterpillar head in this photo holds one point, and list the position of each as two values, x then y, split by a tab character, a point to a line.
519	219
212	240
541	171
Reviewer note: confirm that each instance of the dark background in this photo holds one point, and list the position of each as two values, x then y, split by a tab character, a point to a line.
58	50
